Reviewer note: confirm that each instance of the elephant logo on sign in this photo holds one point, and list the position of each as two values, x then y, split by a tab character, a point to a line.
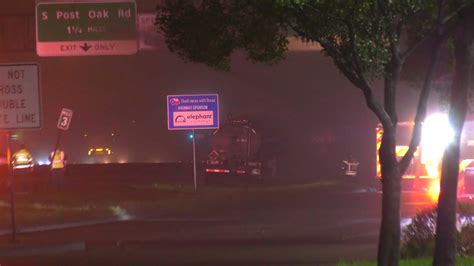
180	119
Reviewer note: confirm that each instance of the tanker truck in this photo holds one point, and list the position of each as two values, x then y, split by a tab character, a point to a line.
235	149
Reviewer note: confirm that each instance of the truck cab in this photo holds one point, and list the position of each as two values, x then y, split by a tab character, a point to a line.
235	150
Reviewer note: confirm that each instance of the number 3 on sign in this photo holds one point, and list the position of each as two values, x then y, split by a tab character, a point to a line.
64	123
64	119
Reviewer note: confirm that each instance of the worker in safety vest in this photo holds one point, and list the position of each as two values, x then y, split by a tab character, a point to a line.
350	166
58	168
22	165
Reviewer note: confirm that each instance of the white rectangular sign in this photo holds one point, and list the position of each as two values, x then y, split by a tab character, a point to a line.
20	102
193	118
65	118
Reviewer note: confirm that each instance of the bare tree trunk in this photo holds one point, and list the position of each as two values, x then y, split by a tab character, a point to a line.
389	240
445	249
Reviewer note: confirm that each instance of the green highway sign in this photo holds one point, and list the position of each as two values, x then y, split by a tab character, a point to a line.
81	29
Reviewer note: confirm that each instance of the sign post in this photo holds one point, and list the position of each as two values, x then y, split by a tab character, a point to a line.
12	190
194	160
20	108
197	111
86	28
64	121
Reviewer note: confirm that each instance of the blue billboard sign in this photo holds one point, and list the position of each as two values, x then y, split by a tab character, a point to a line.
195	111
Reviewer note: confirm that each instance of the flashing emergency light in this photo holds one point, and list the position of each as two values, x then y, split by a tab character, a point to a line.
437	134
44	162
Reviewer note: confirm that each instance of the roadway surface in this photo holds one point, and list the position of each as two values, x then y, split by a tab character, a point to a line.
311	227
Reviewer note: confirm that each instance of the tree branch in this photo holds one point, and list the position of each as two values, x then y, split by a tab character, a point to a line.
356	65
392	72
355	76
360	83
424	95
445	26
355	58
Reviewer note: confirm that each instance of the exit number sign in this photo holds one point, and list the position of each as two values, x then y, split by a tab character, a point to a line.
82	29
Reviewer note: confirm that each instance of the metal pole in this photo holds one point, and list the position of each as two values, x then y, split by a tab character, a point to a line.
194	161
12	190
56	146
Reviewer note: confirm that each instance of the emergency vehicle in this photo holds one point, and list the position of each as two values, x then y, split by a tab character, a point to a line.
424	172
22	160
100	155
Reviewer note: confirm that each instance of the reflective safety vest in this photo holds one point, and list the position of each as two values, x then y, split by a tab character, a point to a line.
57	160
22	159
350	167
